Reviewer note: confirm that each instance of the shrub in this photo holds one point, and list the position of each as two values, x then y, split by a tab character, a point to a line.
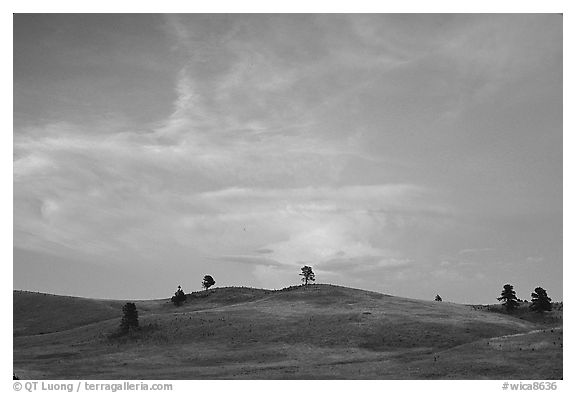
508	298
130	318
179	297
540	300
307	274
208	282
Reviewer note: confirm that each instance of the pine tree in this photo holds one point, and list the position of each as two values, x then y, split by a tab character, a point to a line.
130	317
540	300
208	282
438	298
307	274
508	298
179	297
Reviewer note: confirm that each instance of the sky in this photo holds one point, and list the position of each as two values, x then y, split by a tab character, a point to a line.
409	154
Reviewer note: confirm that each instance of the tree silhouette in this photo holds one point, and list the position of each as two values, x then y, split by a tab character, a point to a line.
438	298
179	297
208	282
508	298
130	318
540	300
307	274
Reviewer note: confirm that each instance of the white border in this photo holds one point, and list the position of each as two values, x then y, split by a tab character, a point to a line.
300	6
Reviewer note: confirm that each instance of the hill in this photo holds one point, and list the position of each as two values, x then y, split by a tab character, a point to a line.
312	332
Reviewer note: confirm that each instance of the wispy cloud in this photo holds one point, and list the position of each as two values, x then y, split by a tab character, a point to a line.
248	259
467	251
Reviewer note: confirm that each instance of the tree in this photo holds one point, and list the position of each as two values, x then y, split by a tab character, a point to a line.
130	318
307	274
179	297
438	298
508	298
540	301
208	282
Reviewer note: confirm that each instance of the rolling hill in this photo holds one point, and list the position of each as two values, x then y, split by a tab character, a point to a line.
306	332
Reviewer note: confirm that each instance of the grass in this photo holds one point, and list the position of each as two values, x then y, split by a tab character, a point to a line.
313	332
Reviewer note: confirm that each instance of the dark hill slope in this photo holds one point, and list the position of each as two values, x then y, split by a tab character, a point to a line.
41	313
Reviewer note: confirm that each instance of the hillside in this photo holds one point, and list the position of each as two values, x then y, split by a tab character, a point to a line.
318	331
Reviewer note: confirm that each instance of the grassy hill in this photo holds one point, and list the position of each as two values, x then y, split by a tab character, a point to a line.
313	332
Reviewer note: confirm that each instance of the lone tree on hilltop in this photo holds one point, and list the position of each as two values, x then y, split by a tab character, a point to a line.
540	301
508	298
438	298
307	274
179	297
208	282
129	318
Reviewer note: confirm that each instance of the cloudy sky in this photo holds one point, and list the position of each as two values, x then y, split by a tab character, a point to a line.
407	154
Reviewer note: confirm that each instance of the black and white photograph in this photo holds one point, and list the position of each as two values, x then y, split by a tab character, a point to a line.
288	196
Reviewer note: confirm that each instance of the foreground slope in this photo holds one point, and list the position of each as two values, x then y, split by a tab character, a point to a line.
318	331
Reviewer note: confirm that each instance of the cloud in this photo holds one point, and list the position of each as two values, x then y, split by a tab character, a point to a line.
468	251
183	188
363	264
123	194
534	260
386	194
275	276
264	251
248	259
